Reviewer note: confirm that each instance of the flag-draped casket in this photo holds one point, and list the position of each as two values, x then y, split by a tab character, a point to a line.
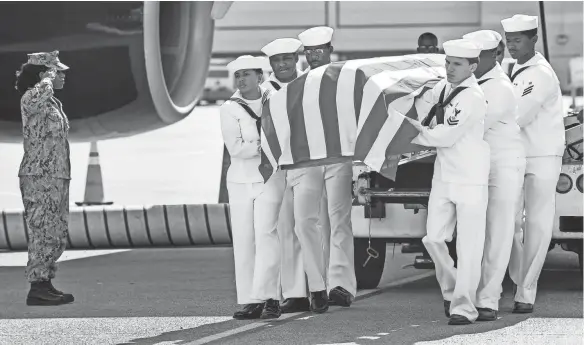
352	109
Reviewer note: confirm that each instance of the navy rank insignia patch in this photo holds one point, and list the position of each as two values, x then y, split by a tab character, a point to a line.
528	89
452	119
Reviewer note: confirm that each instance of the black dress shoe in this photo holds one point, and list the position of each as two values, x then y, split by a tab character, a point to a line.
341	297
447	308
319	302
249	312
486	314
295	305
458	320
522	308
271	310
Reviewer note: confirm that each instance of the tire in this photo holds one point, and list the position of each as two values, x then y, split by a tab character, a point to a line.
368	277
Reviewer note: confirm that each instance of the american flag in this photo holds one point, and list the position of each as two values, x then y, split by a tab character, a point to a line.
352	109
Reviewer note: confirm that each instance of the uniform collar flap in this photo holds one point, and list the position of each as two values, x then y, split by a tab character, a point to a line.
494	72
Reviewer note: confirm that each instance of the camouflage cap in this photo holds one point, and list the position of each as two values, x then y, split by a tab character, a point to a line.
47	59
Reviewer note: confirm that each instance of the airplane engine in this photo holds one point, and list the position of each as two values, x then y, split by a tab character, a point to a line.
134	67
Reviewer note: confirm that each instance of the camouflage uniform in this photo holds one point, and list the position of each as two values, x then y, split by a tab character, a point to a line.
44	174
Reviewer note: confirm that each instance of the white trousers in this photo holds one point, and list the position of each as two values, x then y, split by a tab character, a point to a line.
505	184
530	244
336	227
307	187
292	277
254	209
466	207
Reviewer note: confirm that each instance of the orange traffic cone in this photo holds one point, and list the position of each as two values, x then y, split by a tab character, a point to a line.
94	183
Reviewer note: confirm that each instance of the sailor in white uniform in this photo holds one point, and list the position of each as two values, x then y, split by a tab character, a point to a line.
335	215
507	169
254	206
283	57
540	115
459	193
306	182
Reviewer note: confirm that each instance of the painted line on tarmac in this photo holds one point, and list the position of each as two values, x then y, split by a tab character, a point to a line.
238	330
362	294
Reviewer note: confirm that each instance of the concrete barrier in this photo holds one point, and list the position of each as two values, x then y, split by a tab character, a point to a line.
130	226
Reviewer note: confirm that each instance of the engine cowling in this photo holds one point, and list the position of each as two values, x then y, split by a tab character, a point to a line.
129	74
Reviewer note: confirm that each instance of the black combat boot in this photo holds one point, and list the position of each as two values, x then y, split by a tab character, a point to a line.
41	295
68	296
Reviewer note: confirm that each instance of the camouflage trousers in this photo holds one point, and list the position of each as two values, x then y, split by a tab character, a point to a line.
46	212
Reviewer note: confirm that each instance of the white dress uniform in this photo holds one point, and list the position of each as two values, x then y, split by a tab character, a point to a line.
254	206
459	194
337	203
292	276
506	177
540	115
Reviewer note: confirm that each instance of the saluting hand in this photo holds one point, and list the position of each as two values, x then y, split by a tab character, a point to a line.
51	74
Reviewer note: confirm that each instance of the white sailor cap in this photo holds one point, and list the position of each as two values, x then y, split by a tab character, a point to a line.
489	39
520	22
316	36
281	46
246	62
463	48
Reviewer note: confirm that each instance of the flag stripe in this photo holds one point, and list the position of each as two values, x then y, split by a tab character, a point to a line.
279	117
312	116
328	110
389	167
269	134
346	101
385	82
360	80
377	116
298	137
368	135
401	141
376	154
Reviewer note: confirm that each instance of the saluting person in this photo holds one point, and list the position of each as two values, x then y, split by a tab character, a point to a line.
337	202
283	56
506	176
459	193
45	173
254	206
540	115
